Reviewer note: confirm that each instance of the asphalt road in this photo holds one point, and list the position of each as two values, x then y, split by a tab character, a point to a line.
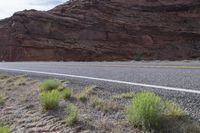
177	81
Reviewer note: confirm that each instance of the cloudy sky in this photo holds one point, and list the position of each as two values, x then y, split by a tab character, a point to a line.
8	7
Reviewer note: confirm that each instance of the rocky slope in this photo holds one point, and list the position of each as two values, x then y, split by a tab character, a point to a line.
88	30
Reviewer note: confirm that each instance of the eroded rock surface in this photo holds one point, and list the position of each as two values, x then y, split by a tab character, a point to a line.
96	30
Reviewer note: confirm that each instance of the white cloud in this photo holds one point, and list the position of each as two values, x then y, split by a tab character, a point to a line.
8	7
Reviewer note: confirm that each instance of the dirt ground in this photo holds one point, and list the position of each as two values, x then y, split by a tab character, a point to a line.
22	111
101	112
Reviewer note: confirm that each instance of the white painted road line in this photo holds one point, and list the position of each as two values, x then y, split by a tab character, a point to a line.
105	80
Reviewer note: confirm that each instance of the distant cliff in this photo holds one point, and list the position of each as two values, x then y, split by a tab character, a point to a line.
104	30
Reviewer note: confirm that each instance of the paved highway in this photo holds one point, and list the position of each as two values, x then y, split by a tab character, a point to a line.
177	81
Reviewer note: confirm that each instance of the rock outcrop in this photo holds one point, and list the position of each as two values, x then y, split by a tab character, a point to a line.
97	30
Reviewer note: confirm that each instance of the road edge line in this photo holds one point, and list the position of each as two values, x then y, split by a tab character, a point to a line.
105	80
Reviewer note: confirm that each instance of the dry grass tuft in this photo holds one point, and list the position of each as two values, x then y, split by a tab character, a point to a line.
103	105
2	98
85	94
124	95
66	93
3	77
21	81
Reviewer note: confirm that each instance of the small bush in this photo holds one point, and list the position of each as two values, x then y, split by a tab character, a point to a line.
4	130
72	113
84	95
50	100
151	112
146	109
49	85
138	56
66	93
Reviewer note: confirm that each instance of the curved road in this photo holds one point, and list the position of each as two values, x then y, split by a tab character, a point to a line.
177	81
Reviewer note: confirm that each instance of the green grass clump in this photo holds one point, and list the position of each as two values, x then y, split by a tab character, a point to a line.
72	113
66	93
4	130
148	110
49	100
49	85
84	95
124	95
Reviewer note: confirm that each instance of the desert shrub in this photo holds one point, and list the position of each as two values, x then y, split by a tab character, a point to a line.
84	95
50	99
4	130
72	113
138	55
148	110
49	85
66	93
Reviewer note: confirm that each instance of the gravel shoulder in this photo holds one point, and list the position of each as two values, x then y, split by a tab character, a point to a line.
23	113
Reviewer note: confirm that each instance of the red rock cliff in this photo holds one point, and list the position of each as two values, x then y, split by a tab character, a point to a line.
96	30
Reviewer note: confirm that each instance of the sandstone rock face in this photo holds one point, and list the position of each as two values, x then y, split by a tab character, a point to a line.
97	30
